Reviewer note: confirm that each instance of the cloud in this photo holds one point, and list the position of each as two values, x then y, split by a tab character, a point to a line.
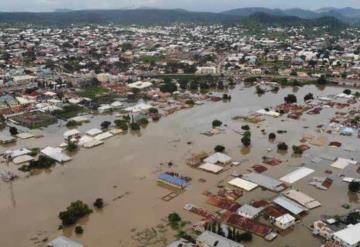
205	5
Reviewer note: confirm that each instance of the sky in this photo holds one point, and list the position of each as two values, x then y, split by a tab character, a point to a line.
195	5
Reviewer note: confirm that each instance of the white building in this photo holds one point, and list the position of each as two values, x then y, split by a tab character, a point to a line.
210	239
348	237
249	211
285	221
206	70
64	242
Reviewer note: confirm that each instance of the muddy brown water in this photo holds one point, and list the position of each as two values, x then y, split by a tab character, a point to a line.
123	172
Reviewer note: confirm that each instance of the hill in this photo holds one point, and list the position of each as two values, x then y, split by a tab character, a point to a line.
160	16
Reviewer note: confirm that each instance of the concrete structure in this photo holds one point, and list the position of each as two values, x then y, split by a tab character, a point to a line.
249	211
242	184
348	237
302	199
211	168
64	242
296	175
210	239
285	221
289	205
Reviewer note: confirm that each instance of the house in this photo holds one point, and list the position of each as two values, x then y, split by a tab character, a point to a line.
210	239
206	70
55	154
71	134
348	237
322	229
289	205
301	198
181	243
264	181
140	85
64	242
249	212
172	181
285	221
218	158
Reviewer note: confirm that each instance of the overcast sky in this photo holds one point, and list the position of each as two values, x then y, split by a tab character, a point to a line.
203	5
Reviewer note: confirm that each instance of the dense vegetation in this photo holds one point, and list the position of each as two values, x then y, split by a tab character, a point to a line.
74	212
159	16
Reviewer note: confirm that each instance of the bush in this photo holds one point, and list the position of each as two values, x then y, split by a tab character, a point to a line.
99	203
105	124
322	80
216	123
290	98
174	220
71	146
259	90
247	236
34	152
153	110
347	91
272	136
282	146
219	148
353	218
297	149
74	212
143	121
245	127
354	186
174	217
168	87
43	162
71	123
79	230
13	131
122	124
309	96
134	126
246	139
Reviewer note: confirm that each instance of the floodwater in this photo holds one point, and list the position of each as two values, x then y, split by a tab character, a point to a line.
124	170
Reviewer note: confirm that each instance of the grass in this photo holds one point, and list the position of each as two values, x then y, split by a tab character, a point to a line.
68	111
93	91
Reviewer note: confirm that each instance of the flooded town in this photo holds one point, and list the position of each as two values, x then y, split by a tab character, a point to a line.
179	135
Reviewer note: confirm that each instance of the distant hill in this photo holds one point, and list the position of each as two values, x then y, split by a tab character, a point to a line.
264	18
165	16
348	15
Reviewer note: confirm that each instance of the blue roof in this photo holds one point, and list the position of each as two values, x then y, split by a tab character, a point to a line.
173	180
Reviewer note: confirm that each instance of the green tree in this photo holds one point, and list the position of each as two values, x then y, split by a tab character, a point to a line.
282	146
290	98
122	124
99	203
309	96
74	212
216	123
79	230
105	124
354	186
246	139
219	148
13	131
297	149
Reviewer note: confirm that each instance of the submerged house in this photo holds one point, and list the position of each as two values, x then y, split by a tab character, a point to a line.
64	242
173	181
210	239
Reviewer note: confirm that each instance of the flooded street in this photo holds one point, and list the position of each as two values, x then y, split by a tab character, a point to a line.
124	170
